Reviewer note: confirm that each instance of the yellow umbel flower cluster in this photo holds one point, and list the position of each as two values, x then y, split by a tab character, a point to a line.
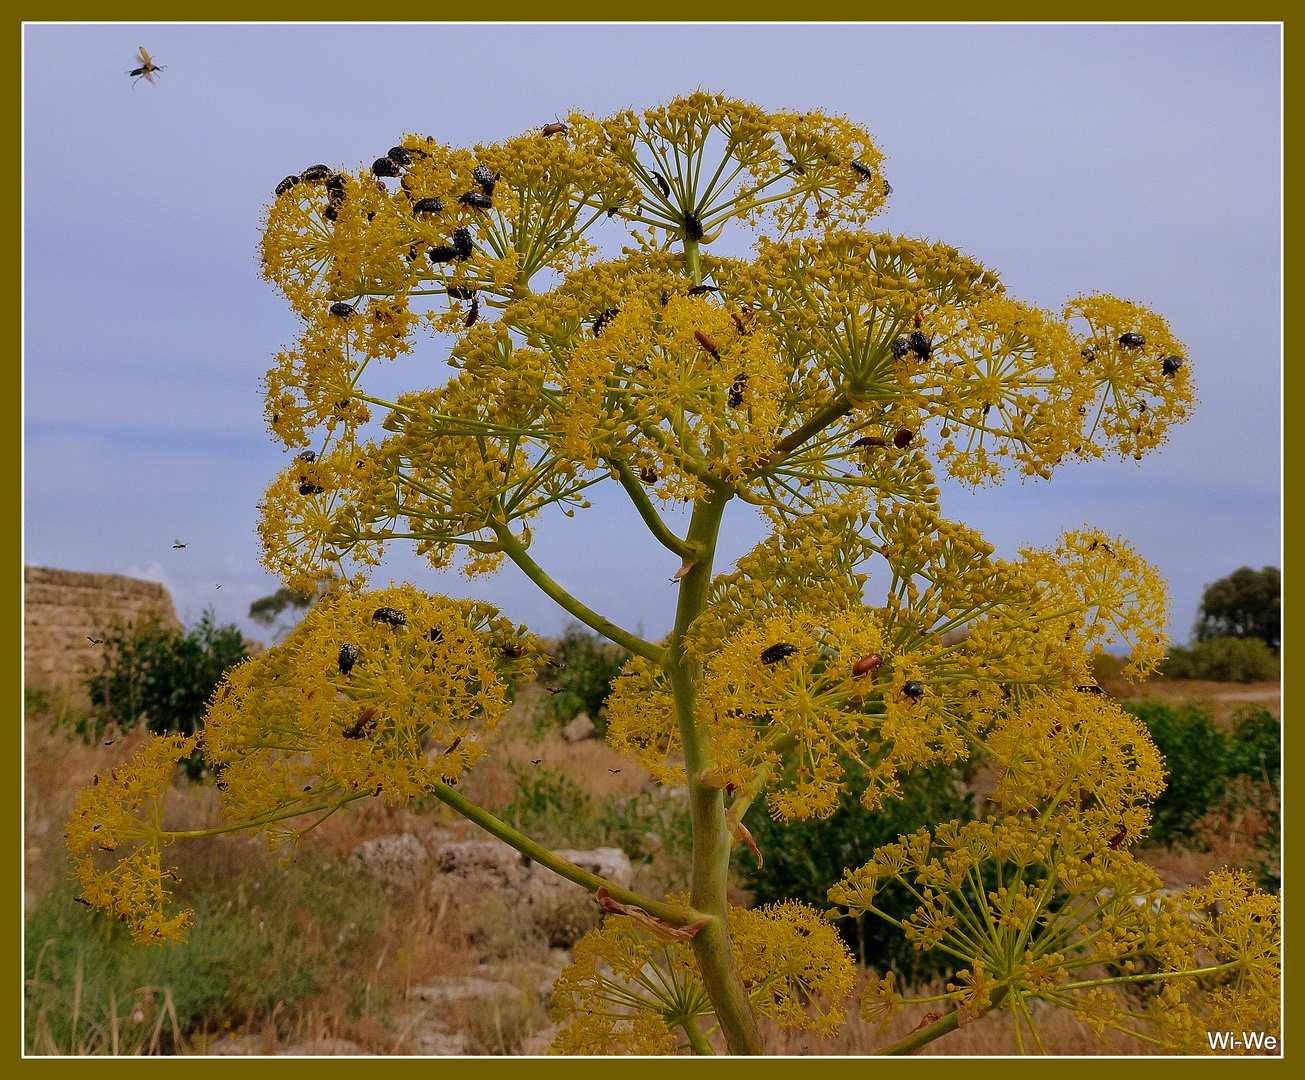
122	814
627	991
374	693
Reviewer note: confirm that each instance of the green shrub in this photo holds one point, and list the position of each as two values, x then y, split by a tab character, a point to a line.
584	667
802	859
1255	747
553	809
161	676
1223	659
1195	751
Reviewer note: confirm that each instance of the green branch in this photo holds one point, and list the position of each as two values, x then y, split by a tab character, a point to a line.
670	913
949	1023
651	518
635	644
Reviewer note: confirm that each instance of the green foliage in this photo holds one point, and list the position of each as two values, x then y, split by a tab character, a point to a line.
552	808
803	859
1255	748
261	939
1202	758
1245	604
584	667
1195	750
161	676
1223	659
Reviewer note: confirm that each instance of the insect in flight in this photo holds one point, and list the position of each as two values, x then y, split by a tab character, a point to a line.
95	640
178	544
147	68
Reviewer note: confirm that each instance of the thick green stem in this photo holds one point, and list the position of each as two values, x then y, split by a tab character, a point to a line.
670	913
711	836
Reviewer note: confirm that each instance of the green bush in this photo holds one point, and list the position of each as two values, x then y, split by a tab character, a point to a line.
583	670
1195	751
1223	659
1255	748
161	676
1201	759
803	859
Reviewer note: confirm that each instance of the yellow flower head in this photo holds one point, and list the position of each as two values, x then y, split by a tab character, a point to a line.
1081	756
122	814
382	692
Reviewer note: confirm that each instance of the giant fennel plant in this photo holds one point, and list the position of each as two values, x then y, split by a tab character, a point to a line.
819	382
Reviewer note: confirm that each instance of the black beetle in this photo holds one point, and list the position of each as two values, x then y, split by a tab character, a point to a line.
777	652
343	310
348	656
390	615
1132	339
478	199
286	184
428	206
384	166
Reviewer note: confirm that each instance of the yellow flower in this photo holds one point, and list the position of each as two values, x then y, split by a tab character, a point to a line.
122	814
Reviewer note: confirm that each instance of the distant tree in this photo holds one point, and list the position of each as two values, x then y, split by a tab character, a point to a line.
1247	603
267	609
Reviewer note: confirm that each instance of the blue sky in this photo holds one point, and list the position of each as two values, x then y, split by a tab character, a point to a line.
1138	160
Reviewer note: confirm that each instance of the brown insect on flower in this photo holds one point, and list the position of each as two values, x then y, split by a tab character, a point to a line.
555	128
453	745
647	475
918	319
707	344
903	438
1118	839
867	664
473	313
512	652
1089	688
365	722
147	68
698	290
